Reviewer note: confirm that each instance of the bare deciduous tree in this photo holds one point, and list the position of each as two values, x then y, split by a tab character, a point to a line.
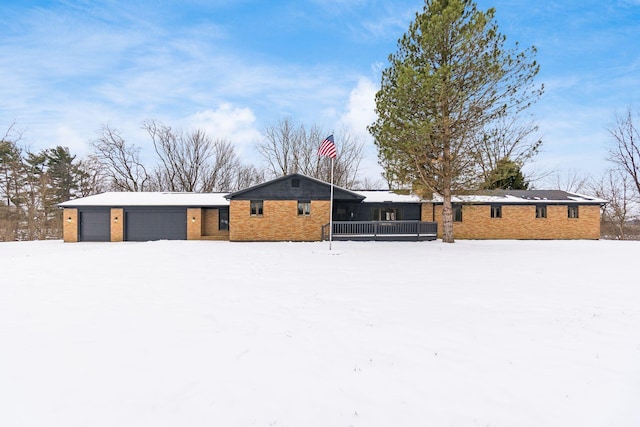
122	161
346	164
93	177
625	149
508	138
621	210
222	171
247	176
192	162
289	148
571	180
280	149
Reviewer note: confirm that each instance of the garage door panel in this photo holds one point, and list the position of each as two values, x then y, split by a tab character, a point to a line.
94	226
144	225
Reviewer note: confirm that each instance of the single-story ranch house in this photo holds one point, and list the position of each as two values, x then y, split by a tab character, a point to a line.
296	208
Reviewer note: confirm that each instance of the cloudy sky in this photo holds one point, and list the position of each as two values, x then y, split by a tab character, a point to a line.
233	67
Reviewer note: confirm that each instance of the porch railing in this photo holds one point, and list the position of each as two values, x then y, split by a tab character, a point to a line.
381	230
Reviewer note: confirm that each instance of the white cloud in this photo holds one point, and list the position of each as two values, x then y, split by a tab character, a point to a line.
360	113
361	108
67	136
235	124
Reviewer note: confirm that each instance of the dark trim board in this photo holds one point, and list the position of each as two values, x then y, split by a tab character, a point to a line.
294	187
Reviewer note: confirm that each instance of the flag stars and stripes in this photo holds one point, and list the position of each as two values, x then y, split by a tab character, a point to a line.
328	148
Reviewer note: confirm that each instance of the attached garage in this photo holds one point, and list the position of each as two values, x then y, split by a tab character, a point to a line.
144	216
94	225
155	224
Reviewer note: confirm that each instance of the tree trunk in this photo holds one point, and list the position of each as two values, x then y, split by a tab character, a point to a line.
447	217
447	179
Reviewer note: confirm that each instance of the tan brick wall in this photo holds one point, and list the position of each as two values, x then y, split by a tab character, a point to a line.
520	222
211	225
194	223
202	224
70	225
210	219
426	213
117	224
280	221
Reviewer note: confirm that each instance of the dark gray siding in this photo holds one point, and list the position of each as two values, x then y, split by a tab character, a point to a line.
161	223
94	225
364	211
294	187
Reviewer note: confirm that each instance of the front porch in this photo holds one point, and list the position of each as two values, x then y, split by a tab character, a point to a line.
382	230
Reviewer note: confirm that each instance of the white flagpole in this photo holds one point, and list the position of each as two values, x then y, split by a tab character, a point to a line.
331	208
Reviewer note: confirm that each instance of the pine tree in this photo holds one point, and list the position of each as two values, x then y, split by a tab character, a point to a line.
506	176
451	76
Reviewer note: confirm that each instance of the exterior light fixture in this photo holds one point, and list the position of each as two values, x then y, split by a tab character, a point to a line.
115	220
193	219
69	219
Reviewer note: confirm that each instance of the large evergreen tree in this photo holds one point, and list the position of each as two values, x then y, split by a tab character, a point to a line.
507	175
450	78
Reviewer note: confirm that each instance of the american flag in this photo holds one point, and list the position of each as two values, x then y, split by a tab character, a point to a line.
328	148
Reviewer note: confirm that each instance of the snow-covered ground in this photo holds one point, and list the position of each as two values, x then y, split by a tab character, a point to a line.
479	333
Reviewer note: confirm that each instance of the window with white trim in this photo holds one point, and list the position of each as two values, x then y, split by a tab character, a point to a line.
304	207
256	207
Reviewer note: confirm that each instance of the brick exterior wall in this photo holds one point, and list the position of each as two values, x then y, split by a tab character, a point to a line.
70	225
202	224
279	222
194	223
117	224
210	222
211	225
520	222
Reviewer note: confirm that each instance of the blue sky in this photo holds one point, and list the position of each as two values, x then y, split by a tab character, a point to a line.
233	67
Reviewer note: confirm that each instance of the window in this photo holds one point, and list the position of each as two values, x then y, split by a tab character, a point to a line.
386	214
541	211
295	182
572	211
223	219
304	208
496	211
457	212
256	207
341	214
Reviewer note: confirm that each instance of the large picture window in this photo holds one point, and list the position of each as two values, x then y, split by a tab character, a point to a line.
256	207
387	214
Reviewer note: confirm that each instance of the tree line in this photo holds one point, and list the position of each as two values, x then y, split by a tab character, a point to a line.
32	183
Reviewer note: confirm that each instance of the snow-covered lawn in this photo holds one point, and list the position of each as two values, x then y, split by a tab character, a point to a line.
479	333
